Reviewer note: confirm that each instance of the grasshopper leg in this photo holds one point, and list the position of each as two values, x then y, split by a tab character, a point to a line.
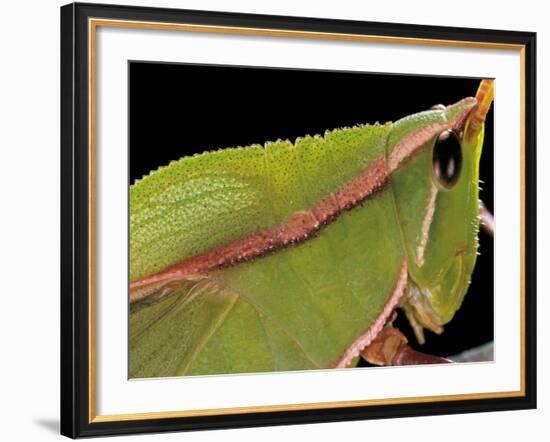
390	347
487	221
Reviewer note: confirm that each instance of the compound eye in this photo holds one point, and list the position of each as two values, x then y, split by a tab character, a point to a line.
447	159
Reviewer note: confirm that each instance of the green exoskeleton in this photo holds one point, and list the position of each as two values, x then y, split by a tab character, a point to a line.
293	256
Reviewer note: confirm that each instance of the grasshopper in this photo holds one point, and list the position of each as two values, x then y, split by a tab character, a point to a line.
295	256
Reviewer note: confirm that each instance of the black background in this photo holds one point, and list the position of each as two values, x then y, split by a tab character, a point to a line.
179	109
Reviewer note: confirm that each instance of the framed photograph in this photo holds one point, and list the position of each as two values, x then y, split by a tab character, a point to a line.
275	220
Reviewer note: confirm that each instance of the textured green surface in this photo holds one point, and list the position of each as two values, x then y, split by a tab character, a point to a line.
193	205
200	202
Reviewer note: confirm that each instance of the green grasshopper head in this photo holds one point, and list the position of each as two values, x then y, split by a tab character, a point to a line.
434	158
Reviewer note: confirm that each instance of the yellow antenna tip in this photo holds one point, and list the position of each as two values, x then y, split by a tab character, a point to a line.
484	96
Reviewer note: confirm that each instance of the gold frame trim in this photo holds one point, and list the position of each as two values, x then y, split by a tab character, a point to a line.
93	24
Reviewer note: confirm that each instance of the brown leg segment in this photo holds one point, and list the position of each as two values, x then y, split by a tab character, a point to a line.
390	348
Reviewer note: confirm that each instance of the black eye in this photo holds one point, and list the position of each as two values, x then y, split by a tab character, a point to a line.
447	159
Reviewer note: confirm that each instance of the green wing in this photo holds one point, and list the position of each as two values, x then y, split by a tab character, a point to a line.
297	308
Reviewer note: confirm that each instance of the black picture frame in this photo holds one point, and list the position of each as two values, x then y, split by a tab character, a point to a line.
77	417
